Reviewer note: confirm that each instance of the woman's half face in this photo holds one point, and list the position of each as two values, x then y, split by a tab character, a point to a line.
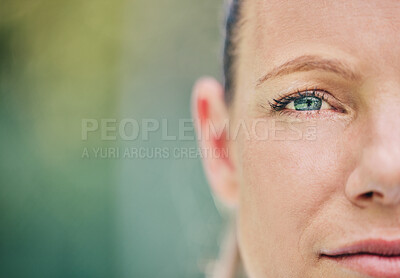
318	183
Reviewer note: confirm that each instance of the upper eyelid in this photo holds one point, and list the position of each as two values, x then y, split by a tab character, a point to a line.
309	63
302	93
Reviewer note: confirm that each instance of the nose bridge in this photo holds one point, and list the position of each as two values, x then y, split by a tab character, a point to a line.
382	153
376	178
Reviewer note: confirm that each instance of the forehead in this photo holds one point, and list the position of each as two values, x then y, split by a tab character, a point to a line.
362	31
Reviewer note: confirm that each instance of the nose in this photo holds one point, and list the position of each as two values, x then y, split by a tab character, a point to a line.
376	178
380	185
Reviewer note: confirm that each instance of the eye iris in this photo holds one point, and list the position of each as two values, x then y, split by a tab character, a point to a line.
308	103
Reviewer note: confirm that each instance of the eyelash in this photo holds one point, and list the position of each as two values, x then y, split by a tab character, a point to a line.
281	102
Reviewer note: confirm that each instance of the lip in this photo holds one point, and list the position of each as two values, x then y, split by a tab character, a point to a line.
373	257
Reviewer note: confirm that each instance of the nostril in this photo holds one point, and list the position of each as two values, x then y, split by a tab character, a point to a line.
370	195
367	195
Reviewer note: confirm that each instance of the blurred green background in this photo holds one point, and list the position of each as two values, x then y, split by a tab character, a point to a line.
64	215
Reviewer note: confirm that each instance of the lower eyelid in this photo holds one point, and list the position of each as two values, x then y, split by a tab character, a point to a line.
312	114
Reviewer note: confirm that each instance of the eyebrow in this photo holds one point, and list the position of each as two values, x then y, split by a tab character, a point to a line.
309	63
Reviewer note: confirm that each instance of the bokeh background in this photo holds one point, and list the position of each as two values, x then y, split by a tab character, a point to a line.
64	215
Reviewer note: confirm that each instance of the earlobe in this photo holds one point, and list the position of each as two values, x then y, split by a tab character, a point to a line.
212	127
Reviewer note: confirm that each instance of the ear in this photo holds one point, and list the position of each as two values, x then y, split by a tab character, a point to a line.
211	120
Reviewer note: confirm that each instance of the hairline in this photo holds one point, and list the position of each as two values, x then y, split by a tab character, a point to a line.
230	46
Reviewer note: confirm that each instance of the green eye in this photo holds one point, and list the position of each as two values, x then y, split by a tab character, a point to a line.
303	101
307	103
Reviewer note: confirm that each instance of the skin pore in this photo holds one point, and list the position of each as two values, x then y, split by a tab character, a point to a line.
322	80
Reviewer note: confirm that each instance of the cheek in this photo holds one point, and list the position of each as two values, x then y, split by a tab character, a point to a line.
285	184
